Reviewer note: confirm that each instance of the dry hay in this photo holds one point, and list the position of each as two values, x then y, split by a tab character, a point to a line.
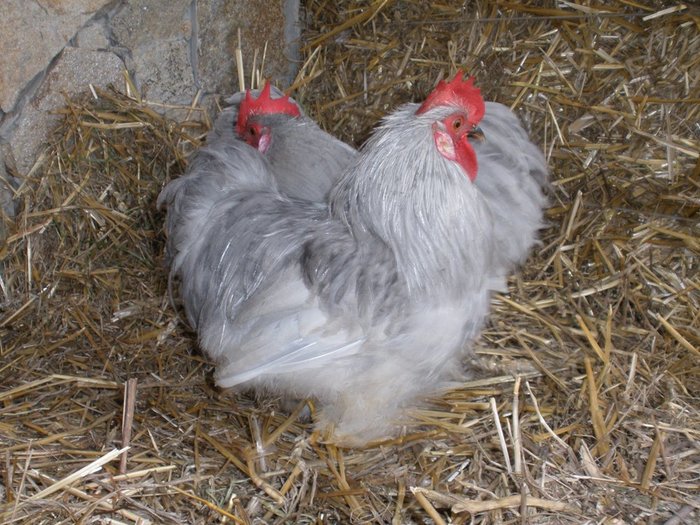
585	406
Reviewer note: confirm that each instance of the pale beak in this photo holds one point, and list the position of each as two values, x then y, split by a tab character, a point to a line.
476	134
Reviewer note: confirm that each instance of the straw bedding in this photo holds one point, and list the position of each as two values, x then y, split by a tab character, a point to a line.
584	406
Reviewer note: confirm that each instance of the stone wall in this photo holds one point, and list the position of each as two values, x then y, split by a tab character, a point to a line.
172	49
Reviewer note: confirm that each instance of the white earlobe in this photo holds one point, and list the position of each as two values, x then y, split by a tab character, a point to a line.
444	144
264	142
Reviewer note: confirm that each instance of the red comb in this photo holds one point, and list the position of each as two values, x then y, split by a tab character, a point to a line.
457	92
264	105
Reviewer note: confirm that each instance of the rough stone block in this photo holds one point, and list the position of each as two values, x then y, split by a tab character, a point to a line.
33	34
92	36
73	71
260	21
163	72
172	49
142	22
157	34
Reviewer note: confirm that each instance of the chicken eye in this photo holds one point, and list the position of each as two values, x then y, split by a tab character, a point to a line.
252	131
457	124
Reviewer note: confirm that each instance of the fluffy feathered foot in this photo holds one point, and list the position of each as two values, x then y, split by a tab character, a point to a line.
355	422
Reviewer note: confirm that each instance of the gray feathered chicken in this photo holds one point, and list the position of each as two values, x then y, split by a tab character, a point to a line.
304	160
365	303
512	179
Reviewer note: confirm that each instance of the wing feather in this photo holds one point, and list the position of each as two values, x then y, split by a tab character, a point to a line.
512	179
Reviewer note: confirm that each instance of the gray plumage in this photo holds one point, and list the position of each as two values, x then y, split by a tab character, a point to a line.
365	303
512	180
304	160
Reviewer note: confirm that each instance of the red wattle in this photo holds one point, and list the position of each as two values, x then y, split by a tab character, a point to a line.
466	157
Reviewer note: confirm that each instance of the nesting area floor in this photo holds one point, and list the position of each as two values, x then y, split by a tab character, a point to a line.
583	406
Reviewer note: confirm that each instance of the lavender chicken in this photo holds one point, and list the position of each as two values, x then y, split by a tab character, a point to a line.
364	303
306	161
